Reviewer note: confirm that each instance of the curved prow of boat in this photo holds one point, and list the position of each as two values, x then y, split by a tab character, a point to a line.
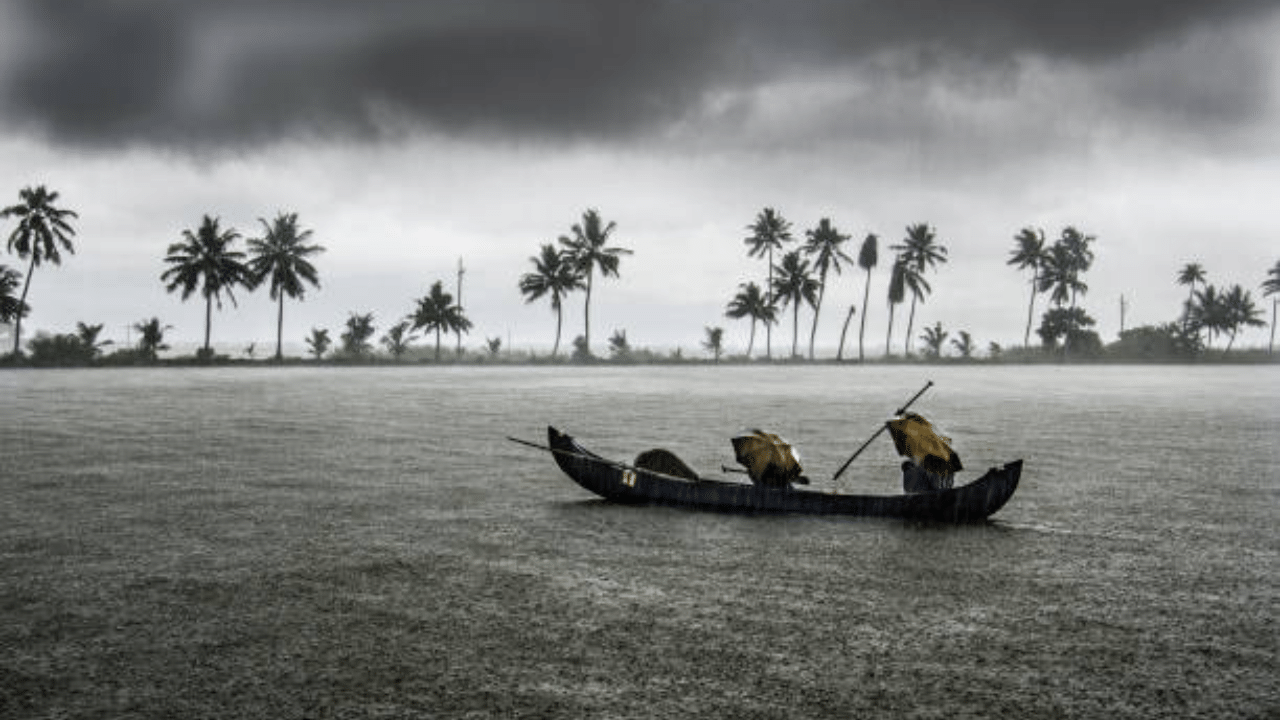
624	483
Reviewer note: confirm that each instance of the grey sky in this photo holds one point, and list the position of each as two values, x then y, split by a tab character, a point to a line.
407	134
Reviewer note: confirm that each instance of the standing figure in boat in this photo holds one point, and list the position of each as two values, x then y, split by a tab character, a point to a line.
932	464
770	460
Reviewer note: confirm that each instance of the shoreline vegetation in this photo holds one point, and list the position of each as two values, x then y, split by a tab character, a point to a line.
208	263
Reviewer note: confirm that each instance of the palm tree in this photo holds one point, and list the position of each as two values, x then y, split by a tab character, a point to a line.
897	293
750	302
1061	269
824	246
793	285
318	342
88	335
206	259
588	250
769	231
933	338
1271	288
964	344
281	254
844	331
1190	275
42	229
867	257
355	340
555	275
10	306
151	337
398	338
920	252
619	348
437	312
1240	312
1029	253
714	343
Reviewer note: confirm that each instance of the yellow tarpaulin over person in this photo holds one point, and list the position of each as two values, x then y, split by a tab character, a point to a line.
769	459
915	438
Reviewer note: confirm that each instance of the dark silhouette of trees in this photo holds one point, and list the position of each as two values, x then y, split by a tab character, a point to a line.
963	344
318	342
88	337
793	284
1271	288
824	245
714	343
933	338
151	338
206	259
42	229
554	275
751	302
619	348
397	339
867	258
10	306
1029	252
1191	274
919	252
588	249
1060	275
897	293
1240	312
355	339
281	255
768	233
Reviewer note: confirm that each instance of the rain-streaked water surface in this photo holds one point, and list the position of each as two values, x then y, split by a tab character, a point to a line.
364	542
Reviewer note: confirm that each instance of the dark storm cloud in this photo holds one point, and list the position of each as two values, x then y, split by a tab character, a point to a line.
233	71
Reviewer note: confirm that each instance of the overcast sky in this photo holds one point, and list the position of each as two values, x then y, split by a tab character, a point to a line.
408	135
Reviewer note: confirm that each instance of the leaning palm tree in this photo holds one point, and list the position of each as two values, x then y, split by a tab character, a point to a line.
897	293
588	249
920	252
42	229
824	244
10	306
205	259
1208	313
437	312
1271	288
867	258
281	255
769	232
397	339
750	302
933	338
1029	253
1190	275
554	275
1240	312
792	285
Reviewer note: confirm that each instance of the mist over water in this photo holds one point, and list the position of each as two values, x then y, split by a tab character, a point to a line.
1134	571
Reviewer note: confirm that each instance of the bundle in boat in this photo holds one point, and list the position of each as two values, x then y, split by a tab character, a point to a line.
770	460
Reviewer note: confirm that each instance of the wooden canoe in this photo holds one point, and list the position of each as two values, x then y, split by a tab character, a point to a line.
623	483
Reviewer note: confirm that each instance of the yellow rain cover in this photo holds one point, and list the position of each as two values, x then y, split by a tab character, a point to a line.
769	459
914	437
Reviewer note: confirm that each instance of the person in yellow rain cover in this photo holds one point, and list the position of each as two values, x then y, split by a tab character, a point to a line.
932	464
770	460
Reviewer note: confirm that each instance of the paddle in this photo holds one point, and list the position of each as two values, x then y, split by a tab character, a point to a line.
901	410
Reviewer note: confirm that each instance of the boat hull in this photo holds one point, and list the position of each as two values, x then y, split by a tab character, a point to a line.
621	483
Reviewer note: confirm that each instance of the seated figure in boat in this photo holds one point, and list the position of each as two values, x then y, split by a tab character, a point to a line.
770	460
931	464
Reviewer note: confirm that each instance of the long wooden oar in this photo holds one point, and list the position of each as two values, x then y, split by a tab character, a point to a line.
596	458
901	410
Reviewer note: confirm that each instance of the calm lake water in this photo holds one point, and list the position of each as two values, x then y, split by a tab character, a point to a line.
1134	573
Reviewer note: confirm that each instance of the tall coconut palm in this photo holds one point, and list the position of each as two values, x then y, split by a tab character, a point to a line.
10	306
1240	312
355	339
1029	252
824	245
42	229
769	232
897	293
1191	274
845	330
1067	259
793	284
281	254
437	312
867	257
151	337
921	252
714	343
206	259
588	249
1208	313
554	274
1271	288
751	302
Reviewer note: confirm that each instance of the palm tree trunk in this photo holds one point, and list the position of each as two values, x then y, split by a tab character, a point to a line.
795	326
843	332
280	330
1271	346
813	332
22	305
768	327
586	311
752	342
888	337
1031	308
862	330
911	321
437	343
208	320
559	319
